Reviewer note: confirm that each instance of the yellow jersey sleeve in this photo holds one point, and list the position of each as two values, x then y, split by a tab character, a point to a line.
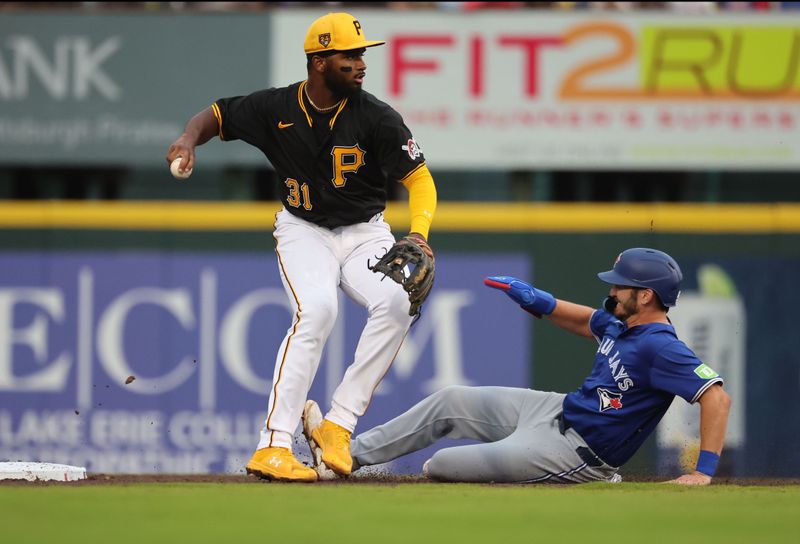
421	199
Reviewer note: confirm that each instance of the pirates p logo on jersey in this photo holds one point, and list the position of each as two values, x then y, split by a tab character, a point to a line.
325	39
412	148
609	399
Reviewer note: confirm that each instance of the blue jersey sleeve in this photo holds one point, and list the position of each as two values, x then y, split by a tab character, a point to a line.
600	321
678	371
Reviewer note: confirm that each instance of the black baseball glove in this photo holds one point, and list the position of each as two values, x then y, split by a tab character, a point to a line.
411	250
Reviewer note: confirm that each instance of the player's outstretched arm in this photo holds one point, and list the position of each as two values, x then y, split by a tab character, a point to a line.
573	317
714	407
200	129
567	315
534	301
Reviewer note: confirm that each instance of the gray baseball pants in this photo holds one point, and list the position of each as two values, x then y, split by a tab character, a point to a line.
520	430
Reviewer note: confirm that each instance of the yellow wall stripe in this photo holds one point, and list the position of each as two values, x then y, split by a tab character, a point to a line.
450	216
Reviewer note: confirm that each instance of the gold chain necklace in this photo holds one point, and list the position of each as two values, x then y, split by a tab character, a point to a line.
320	110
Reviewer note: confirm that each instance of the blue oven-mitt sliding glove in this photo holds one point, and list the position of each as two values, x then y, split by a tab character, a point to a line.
531	299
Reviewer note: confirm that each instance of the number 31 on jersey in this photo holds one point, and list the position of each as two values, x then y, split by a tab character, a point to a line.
345	160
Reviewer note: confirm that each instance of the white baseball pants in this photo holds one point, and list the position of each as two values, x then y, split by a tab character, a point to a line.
314	262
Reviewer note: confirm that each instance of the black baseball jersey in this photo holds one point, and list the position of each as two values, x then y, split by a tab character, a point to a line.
333	168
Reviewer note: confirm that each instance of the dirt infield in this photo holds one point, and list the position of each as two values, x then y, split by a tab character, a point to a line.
387	479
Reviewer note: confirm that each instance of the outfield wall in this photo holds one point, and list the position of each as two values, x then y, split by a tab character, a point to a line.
186	298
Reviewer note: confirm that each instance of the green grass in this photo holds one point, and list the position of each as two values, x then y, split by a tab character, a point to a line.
402	513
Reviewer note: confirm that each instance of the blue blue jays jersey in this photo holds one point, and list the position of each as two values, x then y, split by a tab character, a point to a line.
637	372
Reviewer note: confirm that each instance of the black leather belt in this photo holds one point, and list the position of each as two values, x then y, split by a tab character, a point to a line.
586	454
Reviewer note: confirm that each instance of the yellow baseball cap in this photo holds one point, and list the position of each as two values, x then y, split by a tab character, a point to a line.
336	32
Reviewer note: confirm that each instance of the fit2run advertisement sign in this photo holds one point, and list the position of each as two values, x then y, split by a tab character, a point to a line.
487	90
159	362
536	89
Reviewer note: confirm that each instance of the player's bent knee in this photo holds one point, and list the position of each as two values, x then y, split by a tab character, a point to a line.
397	301
441	468
319	313
394	307
453	393
433	468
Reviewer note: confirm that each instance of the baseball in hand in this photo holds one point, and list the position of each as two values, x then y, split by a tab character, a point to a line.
179	174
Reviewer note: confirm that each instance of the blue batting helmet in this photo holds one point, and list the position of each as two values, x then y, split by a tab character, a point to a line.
647	268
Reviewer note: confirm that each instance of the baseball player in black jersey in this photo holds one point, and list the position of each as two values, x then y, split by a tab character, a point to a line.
334	148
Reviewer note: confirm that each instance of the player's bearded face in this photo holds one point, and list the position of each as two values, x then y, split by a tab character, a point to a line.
627	302
344	72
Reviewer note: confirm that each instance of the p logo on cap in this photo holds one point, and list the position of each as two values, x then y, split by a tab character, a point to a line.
336	32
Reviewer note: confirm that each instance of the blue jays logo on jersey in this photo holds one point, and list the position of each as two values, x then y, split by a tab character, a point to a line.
609	399
618	372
